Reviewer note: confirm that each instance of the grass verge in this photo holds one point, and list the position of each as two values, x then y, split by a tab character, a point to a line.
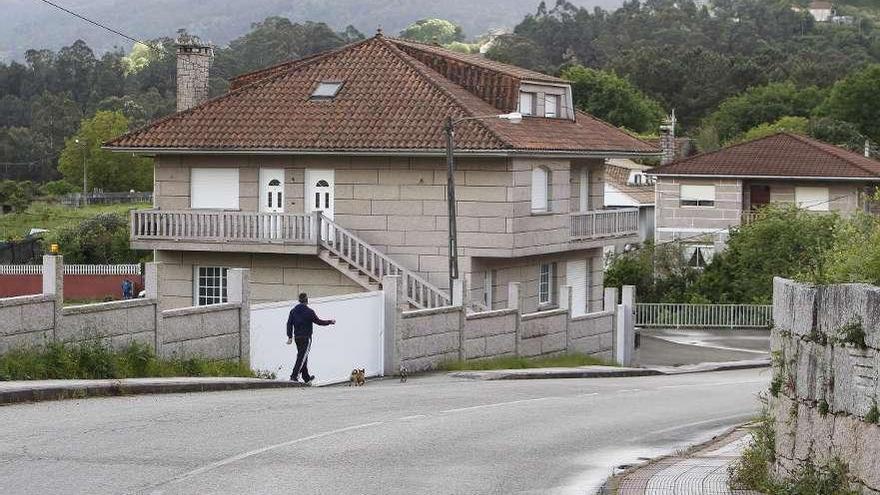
95	361
516	363
752	470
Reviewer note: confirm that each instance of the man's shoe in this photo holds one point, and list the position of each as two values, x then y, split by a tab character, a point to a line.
294	379
308	379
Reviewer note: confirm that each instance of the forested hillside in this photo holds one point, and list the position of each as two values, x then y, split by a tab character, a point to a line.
26	22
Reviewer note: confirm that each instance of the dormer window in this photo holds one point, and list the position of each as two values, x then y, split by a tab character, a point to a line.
551	106
326	90
527	103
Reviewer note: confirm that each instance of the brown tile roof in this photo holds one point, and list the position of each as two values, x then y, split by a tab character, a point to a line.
778	155
390	101
619	178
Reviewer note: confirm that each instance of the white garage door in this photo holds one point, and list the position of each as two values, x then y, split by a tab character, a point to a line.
356	341
576	277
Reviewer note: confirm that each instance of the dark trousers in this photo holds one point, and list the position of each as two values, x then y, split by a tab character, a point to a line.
303	345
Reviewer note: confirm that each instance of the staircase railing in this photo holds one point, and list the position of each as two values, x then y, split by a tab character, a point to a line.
357	253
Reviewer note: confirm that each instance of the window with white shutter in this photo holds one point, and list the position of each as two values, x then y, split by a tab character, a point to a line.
214	188
527	103
697	195
540	189
812	198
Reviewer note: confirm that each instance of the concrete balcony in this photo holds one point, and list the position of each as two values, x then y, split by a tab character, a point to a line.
600	224
227	231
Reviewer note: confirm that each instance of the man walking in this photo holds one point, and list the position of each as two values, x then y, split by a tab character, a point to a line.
299	329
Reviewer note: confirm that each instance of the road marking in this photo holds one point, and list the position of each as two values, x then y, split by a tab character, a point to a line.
415	416
695	423
629	390
245	455
713	384
497	404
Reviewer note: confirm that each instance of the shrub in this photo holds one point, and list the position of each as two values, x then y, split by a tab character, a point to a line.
873	415
102	239
853	333
57	188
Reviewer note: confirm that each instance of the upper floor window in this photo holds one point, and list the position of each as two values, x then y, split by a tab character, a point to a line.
692	195
812	198
527	103
551	106
540	189
214	188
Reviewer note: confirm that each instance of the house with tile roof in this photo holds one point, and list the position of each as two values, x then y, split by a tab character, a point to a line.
628	184
324	174
698	199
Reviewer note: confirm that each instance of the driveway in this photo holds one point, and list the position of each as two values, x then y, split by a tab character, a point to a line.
676	347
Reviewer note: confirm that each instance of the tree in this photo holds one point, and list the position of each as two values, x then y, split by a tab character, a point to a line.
612	98
17	195
659	272
517	50
781	242
433	31
795	125
102	239
55	116
104	169
762	105
856	99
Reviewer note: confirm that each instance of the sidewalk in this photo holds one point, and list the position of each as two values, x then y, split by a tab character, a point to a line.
703	472
607	371
39	390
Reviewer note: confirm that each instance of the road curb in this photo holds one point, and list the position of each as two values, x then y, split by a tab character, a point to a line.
545	374
124	387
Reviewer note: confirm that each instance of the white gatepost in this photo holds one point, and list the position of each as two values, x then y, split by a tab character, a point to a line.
513	295
394	303
238	292
53	285
625	336
458	292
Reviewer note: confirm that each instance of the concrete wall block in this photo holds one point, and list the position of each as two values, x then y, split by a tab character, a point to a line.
421	326
484	327
553	343
142	338
198	326
216	347
428	363
530	347
11	318
474	348
11	342
590	327
587	345
794	306
501	345
535	327
34	317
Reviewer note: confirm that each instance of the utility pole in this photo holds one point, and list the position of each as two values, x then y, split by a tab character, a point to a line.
85	198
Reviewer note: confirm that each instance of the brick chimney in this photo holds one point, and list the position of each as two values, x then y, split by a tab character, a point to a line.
193	66
667	139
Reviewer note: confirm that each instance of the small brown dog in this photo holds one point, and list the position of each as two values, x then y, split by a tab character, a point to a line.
358	377
403	374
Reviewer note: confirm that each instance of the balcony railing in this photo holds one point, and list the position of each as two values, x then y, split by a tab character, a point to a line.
604	223
222	226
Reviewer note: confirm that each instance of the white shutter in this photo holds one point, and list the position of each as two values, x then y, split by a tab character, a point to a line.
576	278
214	188
527	103
697	193
539	189
584	194
812	198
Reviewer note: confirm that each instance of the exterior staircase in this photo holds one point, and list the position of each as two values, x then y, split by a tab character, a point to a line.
366	266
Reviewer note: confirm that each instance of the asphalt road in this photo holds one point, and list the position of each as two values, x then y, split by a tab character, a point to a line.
431	435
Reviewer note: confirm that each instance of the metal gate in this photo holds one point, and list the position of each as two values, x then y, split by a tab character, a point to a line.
356	341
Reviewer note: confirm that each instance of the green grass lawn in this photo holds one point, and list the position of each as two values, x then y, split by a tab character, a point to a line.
515	363
53	216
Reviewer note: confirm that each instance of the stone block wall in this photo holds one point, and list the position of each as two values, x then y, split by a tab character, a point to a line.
26	321
212	332
423	339
826	377
672	218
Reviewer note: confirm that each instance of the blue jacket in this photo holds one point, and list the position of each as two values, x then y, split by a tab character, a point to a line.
299	323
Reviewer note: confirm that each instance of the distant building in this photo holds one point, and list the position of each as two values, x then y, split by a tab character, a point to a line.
821	11
628	185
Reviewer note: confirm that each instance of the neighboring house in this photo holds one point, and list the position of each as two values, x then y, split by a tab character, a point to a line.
821	11
701	197
629	185
323	174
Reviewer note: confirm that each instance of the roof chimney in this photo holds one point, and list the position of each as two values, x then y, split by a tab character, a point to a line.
193	66
667	139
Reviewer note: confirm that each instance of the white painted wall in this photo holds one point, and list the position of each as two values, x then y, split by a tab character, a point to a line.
356	341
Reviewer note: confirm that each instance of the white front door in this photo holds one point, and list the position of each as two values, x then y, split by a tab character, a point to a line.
272	190
320	186
576	278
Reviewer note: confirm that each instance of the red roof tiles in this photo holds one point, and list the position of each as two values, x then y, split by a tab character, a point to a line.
779	155
391	101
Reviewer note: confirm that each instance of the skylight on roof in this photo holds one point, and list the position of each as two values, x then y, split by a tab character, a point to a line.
326	90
